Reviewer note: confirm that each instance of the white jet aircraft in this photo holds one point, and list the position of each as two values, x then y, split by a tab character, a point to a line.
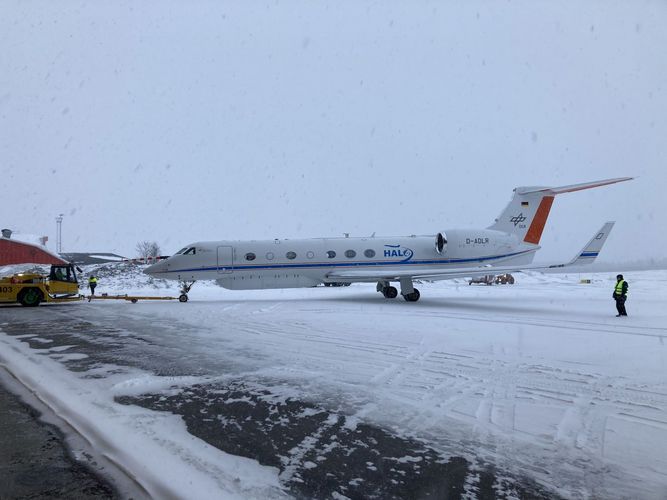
509	244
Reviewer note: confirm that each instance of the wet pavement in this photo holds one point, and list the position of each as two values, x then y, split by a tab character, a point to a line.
34	462
319	451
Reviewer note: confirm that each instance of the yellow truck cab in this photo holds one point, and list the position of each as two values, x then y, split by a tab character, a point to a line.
29	289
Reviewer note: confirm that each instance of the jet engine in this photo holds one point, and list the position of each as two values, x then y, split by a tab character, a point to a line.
441	242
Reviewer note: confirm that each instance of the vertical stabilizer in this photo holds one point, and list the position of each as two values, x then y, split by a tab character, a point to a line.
526	214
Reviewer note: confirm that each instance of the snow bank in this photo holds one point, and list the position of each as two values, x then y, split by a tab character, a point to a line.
152	447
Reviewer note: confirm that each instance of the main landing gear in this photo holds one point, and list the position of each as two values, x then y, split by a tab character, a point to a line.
185	288
387	290
411	297
409	292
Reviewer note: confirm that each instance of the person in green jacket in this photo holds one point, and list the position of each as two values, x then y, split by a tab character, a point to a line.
92	283
620	295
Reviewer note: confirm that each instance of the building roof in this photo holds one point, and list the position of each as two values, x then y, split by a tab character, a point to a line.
13	251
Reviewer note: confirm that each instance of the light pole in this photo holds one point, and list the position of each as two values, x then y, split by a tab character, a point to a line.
59	233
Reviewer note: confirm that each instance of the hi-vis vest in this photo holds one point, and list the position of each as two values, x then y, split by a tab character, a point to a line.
92	280
619	288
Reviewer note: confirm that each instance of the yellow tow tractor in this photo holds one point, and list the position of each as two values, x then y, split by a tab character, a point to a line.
29	289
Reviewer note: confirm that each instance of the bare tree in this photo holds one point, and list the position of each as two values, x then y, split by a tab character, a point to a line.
147	249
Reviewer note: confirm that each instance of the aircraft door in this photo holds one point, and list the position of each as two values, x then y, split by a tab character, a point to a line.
225	260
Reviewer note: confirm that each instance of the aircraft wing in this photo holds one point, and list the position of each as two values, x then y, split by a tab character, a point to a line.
586	256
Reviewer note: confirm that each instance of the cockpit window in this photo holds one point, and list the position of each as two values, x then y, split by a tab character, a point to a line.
186	251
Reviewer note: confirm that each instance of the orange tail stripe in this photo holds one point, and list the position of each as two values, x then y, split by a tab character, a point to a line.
537	226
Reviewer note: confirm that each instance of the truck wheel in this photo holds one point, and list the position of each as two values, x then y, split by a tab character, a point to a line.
30	297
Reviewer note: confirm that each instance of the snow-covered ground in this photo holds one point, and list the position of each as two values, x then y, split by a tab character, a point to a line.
539	378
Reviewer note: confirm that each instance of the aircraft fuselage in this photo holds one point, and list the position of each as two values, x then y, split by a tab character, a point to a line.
293	263
509	244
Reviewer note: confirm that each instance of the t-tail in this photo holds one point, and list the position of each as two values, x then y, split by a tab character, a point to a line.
526	214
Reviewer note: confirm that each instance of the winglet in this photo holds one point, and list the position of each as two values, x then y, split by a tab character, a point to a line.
589	253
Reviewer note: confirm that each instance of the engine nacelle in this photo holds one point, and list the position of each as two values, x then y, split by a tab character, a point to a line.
441	242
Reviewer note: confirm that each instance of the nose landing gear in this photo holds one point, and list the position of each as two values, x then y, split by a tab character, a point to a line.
185	288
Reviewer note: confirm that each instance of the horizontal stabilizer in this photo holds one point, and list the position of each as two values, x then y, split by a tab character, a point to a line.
572	187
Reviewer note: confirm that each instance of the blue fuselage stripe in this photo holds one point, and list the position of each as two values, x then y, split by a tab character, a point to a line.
344	264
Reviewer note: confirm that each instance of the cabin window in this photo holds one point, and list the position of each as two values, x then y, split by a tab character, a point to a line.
350	254
291	255
370	253
310	254
190	251
250	256
269	256
182	250
331	254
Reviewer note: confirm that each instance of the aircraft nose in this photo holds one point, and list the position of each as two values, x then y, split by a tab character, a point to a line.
157	268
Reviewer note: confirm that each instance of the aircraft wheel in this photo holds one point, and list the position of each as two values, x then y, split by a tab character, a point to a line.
390	292
30	297
134	301
412	297
183	298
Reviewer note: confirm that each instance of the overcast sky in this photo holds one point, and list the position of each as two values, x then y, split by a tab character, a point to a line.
185	121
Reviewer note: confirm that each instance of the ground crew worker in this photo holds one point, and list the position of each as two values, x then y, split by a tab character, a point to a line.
92	283
620	295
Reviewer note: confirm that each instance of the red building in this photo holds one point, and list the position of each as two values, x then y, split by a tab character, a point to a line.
19	252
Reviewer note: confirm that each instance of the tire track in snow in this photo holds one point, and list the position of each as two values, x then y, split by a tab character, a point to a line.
574	403
568	415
